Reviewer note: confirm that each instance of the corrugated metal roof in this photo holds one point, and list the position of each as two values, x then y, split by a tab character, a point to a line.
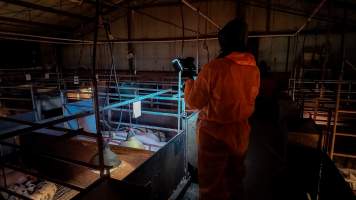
61	16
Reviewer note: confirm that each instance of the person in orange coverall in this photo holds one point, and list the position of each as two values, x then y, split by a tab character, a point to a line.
224	92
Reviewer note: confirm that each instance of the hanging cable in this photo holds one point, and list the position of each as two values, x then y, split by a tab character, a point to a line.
198	44
164	21
205	45
207	18
183	35
113	71
80	54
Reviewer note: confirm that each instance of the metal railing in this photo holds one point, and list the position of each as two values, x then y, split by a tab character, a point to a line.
316	97
331	103
159	94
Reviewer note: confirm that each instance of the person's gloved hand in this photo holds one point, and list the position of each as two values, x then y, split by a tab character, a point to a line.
185	66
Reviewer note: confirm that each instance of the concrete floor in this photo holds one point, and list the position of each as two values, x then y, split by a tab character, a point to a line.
276	170
264	163
265	158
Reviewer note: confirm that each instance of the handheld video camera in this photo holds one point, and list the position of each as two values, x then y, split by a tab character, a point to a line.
186	66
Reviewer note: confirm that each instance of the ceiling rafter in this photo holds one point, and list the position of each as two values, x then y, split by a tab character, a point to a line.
33	23
89	25
273	7
45	9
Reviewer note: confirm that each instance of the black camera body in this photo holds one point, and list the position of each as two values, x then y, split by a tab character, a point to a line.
186	66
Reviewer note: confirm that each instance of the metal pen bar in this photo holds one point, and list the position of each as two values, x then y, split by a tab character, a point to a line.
79	131
323	81
57	158
74	187
60	119
44	124
164	100
15	99
14	193
344	155
49	127
346	134
145	126
179	95
148	112
152	102
133	88
347	111
132	95
19	109
134	100
157	97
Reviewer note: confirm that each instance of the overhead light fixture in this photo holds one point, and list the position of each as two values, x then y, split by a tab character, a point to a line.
110	158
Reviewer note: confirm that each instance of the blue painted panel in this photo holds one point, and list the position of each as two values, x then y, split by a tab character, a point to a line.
87	123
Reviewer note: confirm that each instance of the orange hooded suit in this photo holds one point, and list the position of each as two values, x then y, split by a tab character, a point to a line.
225	93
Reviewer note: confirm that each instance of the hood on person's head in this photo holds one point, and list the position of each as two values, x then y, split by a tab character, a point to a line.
233	37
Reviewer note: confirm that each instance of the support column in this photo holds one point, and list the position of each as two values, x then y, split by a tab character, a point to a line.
342	46
95	92
130	48
287	57
240	10
268	16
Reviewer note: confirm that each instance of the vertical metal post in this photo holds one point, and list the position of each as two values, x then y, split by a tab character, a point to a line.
336	117
34	105
3	174
268	17
349	92
198	43
293	90
303	103
2	166
130	49
338	96
289	87
316	109
179	100
294	72
317	100
181	106
95	92
287	59
59	67
328	131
